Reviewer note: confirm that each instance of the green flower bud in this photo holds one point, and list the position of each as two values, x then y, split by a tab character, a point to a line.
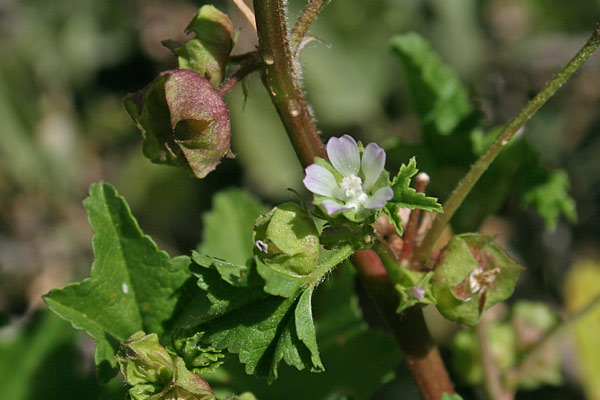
288	238
208	52
143	360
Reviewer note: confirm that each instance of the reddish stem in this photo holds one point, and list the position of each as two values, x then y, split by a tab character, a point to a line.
413	221
409	328
250	63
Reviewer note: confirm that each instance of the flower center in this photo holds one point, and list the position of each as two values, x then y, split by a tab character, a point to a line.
352	186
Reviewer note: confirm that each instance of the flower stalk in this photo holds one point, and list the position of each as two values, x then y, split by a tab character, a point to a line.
470	179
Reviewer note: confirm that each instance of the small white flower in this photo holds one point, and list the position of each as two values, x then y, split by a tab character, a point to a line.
354	191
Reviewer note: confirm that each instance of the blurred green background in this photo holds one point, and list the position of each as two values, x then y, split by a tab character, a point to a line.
65	66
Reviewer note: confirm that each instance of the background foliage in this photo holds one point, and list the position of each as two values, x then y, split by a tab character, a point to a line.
65	66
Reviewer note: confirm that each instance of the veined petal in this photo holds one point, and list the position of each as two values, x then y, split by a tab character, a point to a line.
379	198
373	161
332	206
343	154
320	181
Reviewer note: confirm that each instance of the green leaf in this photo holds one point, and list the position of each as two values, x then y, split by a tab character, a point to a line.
208	52
346	344
183	121
472	275
262	329
547	193
227	232
133	285
198	357
441	101
407	197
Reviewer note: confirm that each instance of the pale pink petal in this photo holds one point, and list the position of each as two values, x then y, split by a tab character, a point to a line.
379	198
332	206
373	161
343	154
320	181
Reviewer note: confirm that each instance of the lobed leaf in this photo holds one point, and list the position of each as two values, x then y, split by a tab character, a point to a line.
346	345
227	231
407	197
133	285
260	328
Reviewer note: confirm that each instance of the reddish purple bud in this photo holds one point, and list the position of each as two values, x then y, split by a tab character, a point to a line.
183	120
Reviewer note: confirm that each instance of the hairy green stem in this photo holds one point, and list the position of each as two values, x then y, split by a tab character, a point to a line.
468	181
340	255
283	83
307	17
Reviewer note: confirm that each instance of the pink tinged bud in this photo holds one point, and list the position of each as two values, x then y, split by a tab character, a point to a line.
183	120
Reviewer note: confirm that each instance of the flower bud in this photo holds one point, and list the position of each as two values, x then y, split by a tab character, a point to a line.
183	120
143	360
472	275
287	236
208	52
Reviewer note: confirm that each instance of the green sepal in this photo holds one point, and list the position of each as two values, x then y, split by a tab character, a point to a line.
417	291
208	52
461	267
154	375
280	281
287	239
414	287
142	360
